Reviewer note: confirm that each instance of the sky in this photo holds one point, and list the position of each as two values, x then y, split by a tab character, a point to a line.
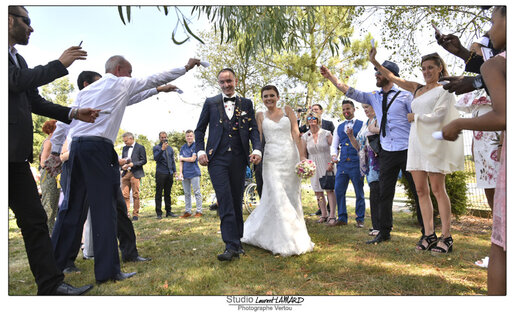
146	43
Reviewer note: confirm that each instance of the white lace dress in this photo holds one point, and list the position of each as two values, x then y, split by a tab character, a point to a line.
277	224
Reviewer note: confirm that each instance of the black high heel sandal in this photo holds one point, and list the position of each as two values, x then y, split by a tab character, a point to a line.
448	242
431	240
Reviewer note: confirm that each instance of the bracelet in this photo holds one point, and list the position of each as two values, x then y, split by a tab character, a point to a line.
470	56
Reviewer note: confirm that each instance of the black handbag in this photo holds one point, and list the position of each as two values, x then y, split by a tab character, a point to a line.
327	181
374	143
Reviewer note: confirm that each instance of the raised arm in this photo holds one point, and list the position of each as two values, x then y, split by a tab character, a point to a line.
325	72
402	83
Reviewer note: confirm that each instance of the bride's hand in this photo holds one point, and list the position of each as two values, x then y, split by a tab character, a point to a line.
330	167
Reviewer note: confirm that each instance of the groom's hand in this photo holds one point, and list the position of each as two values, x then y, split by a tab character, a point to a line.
203	160
255	159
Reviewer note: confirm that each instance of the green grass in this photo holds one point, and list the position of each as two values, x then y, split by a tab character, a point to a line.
183	253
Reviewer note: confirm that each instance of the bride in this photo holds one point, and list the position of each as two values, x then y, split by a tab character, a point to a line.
277	224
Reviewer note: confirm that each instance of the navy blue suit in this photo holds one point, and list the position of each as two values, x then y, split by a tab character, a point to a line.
228	155
348	168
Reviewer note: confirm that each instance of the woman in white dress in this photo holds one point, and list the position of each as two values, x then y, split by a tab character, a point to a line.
277	224
432	108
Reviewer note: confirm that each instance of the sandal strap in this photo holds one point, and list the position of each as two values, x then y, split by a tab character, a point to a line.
448	241
430	240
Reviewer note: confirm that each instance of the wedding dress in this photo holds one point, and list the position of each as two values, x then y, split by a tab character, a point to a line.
277	224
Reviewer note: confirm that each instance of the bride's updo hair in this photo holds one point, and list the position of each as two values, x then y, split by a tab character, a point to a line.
311	113
269	87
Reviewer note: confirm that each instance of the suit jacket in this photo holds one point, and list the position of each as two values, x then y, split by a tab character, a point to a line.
138	158
247	129
24	99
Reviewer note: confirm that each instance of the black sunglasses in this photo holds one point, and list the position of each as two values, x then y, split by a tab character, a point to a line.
25	19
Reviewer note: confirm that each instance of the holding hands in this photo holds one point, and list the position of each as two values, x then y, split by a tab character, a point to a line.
203	160
255	159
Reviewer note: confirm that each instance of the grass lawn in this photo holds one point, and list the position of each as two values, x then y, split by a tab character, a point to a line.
183	253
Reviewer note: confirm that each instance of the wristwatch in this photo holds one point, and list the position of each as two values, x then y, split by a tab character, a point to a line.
478	83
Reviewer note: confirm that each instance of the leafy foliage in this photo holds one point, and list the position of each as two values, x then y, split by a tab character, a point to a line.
57	92
404	29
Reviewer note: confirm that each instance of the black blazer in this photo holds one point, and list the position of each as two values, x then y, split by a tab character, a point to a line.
24	99
248	129
138	158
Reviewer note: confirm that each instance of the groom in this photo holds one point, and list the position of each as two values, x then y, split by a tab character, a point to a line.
232	125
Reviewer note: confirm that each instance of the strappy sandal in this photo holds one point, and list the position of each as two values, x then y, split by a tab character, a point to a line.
329	221
322	220
431	240
448	242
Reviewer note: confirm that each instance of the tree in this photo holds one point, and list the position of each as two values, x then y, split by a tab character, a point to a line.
404	29
57	92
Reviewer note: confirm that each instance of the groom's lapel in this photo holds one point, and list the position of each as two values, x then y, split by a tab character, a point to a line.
220	108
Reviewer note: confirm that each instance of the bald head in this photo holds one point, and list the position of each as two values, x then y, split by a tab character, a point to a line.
119	66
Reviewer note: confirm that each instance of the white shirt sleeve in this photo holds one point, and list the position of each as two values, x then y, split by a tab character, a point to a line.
137	85
137	98
59	136
335	143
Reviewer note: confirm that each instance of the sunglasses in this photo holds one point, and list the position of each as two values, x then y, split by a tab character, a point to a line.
311	118
24	19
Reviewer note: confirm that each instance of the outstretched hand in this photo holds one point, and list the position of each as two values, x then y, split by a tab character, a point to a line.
166	88
450	43
372	55
88	114
452	130
71	54
325	72
458	84
192	63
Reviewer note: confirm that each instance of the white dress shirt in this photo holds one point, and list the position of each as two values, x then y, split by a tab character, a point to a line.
112	94
62	129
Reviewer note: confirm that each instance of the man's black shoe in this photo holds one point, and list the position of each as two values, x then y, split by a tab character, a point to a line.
170	214
318	212
71	269
138	259
241	251
158	217
378	239
228	255
65	289
119	277
135	218
214	207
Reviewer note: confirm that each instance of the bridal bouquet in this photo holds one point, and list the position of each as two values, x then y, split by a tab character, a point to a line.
305	168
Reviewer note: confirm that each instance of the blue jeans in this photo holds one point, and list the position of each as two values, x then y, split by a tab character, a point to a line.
345	172
188	184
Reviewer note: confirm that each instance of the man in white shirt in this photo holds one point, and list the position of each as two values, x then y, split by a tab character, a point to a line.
94	165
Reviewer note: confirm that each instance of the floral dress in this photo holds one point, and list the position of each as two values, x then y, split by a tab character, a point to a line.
485	143
369	165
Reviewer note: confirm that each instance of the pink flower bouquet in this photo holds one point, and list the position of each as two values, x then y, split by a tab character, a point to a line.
305	168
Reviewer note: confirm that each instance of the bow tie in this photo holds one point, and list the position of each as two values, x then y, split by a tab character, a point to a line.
232	99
